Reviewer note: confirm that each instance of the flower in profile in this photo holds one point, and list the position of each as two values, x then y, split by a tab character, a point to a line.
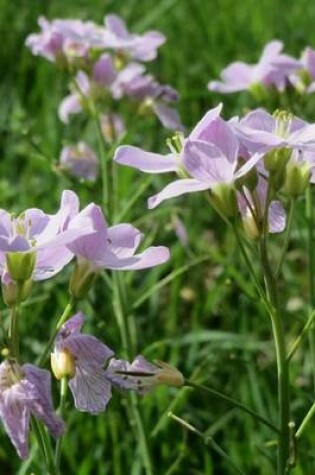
81	358
79	161
113	127
138	47
141	375
25	391
32	245
308	60
273	69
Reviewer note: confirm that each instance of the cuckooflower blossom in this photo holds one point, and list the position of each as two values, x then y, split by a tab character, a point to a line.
273	69
80	161
139	47
113	247
207	158
82	358
34	242
142	376
26	391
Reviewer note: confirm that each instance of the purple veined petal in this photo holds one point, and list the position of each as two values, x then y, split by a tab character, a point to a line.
177	188
16	244
206	163
36	220
205	122
251	163
68	106
147	162
86	349
222	135
71	327
151	257
90	388
238	76
123	240
304	138
5	223
168	116
259	120
50	261
41	403
15	417
276	217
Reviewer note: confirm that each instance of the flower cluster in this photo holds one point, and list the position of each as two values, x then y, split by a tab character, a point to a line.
107	64
273	70
237	161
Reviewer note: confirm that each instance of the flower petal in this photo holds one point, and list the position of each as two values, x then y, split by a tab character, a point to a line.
177	188
145	161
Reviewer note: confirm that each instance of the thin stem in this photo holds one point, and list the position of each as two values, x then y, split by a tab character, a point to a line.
45	444
232	402
304	332
311	263
64	317
126	341
282	364
207	440
62	406
14	332
305	421
103	159
286	239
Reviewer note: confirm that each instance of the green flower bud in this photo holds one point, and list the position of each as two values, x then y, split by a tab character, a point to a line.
16	292
82	278
224	199
297	178
21	265
276	159
250	227
62	364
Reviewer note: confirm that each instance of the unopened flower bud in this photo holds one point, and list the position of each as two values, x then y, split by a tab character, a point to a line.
276	159
16	292
21	265
168	375
250	227
62	364
82	278
224	198
297	178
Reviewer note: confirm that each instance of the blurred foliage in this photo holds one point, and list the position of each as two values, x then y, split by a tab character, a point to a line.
207	320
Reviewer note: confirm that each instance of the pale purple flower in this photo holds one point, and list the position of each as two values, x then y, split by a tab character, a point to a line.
41	234
26	391
139	47
141	375
65	39
80	161
273	69
207	158
113	247
90	388
260	131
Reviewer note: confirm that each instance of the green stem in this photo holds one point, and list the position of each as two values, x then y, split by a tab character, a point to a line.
126	342
64	317
14	332
304	332
286	239
305	421
311	263
209	441
62	406
103	159
45	444
282	365
232	402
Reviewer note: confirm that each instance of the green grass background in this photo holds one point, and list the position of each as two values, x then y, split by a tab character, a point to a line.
207	320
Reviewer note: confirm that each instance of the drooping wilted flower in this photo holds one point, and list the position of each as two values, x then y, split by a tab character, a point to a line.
25	391
79	161
273	69
81	358
141	375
